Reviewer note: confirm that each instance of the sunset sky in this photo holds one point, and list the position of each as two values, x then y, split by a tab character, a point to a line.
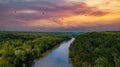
60	15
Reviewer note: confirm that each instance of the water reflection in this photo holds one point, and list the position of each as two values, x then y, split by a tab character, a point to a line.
57	58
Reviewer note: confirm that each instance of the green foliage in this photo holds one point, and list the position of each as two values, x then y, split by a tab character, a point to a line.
18	49
96	49
5	63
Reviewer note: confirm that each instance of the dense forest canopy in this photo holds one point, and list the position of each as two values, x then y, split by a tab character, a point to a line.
96	49
19	49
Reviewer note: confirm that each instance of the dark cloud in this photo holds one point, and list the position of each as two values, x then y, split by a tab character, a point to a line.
98	13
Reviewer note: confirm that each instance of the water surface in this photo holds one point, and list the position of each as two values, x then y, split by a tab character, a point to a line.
57	57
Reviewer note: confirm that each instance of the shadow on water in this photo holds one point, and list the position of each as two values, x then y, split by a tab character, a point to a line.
57	57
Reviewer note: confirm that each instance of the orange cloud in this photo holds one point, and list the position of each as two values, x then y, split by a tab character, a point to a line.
110	5
82	20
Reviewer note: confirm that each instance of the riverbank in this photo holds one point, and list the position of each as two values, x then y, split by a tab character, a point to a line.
58	57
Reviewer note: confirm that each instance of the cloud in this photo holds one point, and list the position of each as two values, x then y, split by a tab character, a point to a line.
111	5
58	15
46	10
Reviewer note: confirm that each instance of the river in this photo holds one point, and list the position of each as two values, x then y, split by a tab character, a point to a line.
58	57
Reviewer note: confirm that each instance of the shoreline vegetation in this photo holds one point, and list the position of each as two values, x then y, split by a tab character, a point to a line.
96	49
92	49
19	49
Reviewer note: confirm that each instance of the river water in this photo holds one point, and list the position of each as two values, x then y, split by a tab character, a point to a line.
58	57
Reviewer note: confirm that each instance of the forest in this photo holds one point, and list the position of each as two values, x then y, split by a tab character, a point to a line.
19	49
96	49
92	49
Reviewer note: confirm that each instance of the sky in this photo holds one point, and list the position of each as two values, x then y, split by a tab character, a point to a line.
60	15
